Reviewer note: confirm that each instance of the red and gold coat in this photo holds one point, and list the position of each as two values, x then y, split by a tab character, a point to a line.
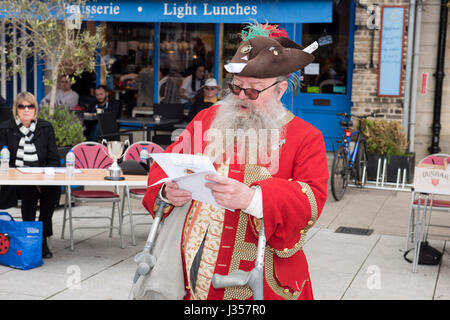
293	198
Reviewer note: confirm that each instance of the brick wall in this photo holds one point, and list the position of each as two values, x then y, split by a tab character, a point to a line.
365	76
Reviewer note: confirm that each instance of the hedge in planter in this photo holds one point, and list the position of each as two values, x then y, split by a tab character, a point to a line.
387	140
67	126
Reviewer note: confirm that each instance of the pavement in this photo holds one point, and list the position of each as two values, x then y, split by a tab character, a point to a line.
342	266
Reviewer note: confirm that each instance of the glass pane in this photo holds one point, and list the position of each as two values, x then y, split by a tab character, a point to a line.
183	46
127	68
231	41
328	72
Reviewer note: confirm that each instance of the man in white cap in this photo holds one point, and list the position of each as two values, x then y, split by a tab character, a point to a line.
206	97
286	190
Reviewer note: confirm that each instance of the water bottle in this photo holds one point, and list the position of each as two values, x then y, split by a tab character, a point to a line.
4	155
143	155
70	163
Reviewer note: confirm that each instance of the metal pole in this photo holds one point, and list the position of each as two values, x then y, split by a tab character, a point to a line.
439	75
409	55
415	72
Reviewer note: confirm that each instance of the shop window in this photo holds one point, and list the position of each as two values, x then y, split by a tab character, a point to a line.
328	72
183	47
231	41
127	63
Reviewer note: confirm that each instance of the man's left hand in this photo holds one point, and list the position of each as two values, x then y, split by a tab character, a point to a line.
230	193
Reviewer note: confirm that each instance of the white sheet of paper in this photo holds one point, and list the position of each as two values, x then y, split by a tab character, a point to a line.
44	169
177	166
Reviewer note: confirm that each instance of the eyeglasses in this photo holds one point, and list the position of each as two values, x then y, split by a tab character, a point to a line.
251	93
22	106
210	88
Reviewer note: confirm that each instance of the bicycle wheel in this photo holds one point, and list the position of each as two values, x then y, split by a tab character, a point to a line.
339	174
361	163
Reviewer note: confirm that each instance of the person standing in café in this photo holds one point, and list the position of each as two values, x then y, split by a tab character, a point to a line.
104	103
205	98
31	142
65	96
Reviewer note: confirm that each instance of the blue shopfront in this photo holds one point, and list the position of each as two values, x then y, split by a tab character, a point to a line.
173	35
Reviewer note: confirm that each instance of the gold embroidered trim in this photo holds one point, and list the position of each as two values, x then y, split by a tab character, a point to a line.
314	210
247	251
244	250
269	271
286	253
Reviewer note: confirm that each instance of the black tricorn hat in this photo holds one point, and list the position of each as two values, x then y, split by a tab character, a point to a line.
268	57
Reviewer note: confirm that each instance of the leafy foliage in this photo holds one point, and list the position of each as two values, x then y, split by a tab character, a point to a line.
68	128
384	137
51	29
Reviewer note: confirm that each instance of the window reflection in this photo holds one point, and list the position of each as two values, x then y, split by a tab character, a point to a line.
328	72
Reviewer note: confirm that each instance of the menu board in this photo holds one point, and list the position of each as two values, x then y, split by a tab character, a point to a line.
391	51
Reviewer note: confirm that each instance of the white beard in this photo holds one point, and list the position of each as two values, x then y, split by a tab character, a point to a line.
255	133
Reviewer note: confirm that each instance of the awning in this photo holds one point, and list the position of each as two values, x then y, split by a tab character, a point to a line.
281	11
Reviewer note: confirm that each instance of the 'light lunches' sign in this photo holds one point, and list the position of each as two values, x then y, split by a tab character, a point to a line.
211	11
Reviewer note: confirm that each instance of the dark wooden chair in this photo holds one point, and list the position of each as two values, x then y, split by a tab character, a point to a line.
163	133
5	114
109	128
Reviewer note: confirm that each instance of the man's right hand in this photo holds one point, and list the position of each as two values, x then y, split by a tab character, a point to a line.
177	197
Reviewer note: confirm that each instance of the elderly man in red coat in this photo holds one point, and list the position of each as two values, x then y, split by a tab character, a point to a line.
271	165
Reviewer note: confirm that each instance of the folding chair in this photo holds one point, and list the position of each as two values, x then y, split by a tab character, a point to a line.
133	153
422	206
91	155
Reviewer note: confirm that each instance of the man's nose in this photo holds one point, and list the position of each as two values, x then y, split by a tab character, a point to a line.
242	95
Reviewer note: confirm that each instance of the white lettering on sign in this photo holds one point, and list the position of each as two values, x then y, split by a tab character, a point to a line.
180	11
233	10
110	9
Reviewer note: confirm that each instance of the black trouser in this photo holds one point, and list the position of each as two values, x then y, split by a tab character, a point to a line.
47	196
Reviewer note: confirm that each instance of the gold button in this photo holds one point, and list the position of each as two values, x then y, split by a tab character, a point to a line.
188	288
302	231
286	290
295	293
304	190
290	179
310	223
285	250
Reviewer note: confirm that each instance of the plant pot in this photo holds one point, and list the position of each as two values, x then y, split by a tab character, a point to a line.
393	163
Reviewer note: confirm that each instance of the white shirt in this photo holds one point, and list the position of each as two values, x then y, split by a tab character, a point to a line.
68	99
186	85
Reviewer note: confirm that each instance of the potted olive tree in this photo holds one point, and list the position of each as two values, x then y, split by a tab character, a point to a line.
387	140
50	30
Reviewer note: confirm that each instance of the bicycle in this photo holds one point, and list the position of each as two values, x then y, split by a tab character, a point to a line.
349	162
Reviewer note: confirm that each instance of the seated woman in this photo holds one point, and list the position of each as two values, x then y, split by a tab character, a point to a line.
31	142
